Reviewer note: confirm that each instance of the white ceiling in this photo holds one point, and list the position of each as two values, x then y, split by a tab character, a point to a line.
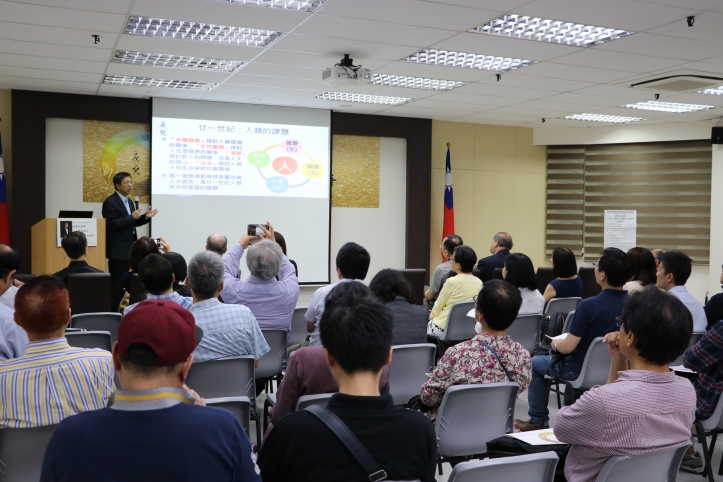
47	45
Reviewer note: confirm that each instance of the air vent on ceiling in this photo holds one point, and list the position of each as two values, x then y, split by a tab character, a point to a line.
679	83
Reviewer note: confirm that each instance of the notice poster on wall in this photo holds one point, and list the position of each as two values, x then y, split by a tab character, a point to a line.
620	229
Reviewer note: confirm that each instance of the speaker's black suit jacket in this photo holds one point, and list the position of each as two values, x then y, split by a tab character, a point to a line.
120	227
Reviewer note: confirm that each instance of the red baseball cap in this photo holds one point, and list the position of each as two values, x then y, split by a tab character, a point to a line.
164	326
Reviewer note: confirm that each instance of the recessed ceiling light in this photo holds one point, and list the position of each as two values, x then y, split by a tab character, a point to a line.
714	90
668	106
254	99
546	30
200	32
365	99
299	5
153	92
469	61
129	80
175	61
415	82
615	119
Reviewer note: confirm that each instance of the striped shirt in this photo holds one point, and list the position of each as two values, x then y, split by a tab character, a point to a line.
641	412
184	302
53	381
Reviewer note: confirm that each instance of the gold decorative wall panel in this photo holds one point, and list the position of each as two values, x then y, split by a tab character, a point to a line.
355	169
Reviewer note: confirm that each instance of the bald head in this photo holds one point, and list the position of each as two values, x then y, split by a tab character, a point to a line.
217	243
500	241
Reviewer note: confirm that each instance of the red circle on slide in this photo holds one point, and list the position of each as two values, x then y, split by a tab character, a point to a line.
285	165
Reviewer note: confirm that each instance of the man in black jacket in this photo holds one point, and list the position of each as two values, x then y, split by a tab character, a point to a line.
122	218
75	246
500	248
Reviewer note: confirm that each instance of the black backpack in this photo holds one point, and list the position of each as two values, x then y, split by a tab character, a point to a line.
551	325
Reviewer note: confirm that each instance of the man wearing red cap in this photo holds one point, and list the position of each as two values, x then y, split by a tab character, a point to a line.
156	425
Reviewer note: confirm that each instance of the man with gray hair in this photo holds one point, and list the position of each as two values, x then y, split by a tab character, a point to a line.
500	248
272	289
217	243
228	330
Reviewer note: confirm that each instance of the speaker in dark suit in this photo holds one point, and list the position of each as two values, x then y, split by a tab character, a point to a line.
122	218
500	249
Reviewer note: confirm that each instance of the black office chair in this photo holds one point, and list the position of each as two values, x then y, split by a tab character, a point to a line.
89	292
137	290
545	274
24	278
416	278
589	285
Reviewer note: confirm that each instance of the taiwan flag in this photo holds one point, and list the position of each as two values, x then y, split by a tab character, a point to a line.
448	202
4	224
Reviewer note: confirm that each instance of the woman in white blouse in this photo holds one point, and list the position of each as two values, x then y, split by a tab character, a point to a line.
520	272
642	269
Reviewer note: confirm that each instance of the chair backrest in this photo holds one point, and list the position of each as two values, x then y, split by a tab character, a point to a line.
589	285
137	289
298	331
545	274
224	377
715	421
416	279
89	339
239	406
307	400
22	451
568	322
562	305
538	467
98	322
652	466
595	367
693	340
407	371
272	363
89	292
459	325
472	415
525	330
24	278
497	273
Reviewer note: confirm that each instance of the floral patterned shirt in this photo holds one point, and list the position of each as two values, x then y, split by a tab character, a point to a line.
470	362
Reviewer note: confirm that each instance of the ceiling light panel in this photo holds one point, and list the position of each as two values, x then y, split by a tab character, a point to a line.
714	91
129	80
364	99
465	60
415	82
547	30
615	119
298	5
176	61
200	32
668	106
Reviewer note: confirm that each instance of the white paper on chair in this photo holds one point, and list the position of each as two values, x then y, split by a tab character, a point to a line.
558	337
537	437
470	313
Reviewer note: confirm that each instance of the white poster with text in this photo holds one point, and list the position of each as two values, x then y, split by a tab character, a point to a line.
620	230
87	226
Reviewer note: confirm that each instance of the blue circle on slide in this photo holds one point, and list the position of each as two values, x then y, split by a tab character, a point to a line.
277	184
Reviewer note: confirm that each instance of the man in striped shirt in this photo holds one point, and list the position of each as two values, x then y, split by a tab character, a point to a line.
52	380
156	274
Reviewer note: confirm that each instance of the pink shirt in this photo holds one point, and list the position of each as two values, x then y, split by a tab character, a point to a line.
640	412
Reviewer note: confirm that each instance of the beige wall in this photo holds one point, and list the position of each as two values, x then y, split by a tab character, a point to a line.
500	183
7	132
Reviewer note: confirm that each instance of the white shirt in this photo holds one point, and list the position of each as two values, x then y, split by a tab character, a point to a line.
316	309
633	286
8	298
696	309
532	302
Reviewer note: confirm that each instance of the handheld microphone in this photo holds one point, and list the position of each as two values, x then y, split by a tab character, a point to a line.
136	203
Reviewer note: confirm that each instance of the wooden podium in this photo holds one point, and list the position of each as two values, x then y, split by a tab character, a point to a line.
48	258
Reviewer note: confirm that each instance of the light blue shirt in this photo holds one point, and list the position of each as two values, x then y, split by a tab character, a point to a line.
694	306
172	296
13	338
316	309
271	301
228	330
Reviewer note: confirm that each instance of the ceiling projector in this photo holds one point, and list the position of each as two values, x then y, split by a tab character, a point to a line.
347	73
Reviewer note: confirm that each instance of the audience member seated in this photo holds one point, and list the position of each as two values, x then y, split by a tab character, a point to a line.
352	264
140	249
673	272
442	270
52	380
217	243
308	373
156	274
594	317
12	337
271	301
642	409
567	284
642	269
228	330
180	271
713	308
156	428
281	241
410	320
75	246
462	287
500	249
489	357
520	272
356	334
